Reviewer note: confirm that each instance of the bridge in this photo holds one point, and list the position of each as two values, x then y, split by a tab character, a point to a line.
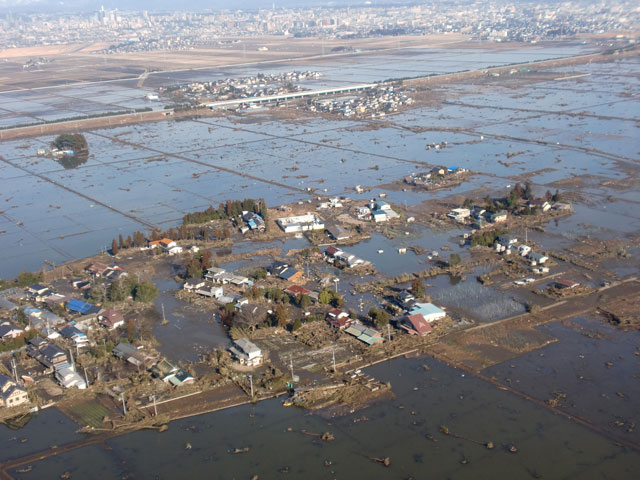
290	96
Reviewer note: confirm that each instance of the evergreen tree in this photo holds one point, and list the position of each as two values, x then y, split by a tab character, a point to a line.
114	247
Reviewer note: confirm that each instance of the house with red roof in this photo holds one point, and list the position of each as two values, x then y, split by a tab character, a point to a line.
339	319
416	325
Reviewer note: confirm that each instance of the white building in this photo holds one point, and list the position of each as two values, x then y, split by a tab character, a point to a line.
69	378
300	223
459	214
247	353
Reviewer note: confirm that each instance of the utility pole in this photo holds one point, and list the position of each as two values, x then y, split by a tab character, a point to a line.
251	383
389	332
291	365
155	408
73	367
14	369
86	377
124	405
333	354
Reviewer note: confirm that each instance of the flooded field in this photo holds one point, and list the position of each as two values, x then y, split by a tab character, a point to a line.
150	175
428	396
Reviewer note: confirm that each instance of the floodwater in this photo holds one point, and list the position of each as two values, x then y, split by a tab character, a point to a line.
167	169
406	429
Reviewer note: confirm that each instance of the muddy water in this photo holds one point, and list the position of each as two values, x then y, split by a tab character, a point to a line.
406	429
189	331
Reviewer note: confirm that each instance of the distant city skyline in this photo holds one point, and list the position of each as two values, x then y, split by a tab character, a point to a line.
49	6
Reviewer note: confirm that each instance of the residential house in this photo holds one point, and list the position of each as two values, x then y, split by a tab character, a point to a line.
48	354
295	290
429	311
367	335
246	352
566	284
405	299
179	378
193	284
537	258
81	307
363	213
54	300
72	333
214	274
111	319
211	292
38	292
416	325
337	233
11	394
332	251
6	304
507	240
96	269
459	214
69	378
524	250
133	355
498	217
254	221
290	274
540	204
166	245
9	331
80	284
339	319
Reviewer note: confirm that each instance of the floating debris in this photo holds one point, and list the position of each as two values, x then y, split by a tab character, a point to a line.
187	446
237	451
386	461
490	446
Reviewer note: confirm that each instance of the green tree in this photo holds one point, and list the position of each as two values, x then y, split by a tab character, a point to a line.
114	247
281	315
297	324
325	296
303	301
145	292
454	259
382	318
98	294
117	291
25	279
417	288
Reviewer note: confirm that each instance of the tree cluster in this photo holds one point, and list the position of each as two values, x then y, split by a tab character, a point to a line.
119	290
485	238
71	141
380	317
229	209
328	296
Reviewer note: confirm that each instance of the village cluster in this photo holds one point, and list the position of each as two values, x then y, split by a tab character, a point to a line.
376	102
56	325
261	85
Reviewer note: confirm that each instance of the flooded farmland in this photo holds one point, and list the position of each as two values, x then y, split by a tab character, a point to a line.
150	175
575	135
